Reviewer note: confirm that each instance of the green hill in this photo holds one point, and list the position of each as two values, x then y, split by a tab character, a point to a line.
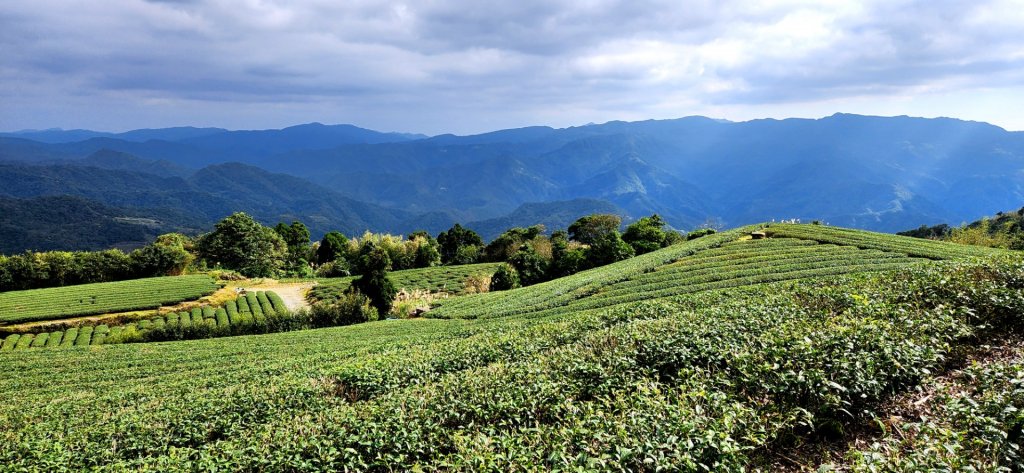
716	354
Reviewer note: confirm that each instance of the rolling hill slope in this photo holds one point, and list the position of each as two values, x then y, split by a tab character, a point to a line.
633	366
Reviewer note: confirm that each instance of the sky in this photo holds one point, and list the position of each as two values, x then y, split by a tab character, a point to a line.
469	66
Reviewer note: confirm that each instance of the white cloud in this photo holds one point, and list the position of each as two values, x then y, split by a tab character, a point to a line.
465	66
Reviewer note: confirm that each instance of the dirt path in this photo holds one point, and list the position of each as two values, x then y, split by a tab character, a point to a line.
294	294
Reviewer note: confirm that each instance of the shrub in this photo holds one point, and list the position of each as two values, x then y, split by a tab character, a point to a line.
84	336
54	339
69	337
350	308
504	278
24	342
699	233
10	341
222	318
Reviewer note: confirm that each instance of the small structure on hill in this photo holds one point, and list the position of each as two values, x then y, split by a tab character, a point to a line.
758	235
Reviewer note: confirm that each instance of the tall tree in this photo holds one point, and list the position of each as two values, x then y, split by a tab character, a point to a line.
333	246
591	228
373	266
649	234
459	245
241	243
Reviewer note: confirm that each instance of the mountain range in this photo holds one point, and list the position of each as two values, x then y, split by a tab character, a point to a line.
878	173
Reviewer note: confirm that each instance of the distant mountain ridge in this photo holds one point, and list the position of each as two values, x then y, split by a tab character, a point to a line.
878	173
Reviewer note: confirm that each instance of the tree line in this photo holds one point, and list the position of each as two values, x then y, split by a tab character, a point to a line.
240	243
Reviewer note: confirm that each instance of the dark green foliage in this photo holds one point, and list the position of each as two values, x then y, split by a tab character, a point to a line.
504	278
334	245
593	228
166	256
700	232
197	315
254	305
242	244
373	281
507	244
531	267
296	237
565	260
608	249
648	234
351	308
459	245
40	270
278	303
427	255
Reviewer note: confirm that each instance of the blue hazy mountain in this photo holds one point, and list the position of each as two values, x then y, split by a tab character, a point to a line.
881	173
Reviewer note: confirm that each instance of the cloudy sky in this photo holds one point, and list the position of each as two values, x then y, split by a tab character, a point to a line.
467	66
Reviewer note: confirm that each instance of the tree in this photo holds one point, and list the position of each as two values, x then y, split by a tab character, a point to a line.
373	265
590	229
505	245
296	237
427	251
334	245
504	278
168	255
608	249
565	259
646	235
459	245
532	268
240	243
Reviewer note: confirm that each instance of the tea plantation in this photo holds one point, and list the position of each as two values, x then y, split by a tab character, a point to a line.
249	309
718	354
101	298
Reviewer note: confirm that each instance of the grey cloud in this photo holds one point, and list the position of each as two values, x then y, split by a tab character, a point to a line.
547	58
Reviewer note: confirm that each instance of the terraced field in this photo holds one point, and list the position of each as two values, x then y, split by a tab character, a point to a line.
254	306
101	298
631	367
448	279
716	262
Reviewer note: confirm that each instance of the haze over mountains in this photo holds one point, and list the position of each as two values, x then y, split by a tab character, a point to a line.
875	173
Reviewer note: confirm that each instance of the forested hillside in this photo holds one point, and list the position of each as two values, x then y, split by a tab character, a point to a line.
868	172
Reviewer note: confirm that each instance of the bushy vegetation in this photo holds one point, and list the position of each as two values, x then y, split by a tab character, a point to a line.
168	255
101	298
438	279
714	380
1005	230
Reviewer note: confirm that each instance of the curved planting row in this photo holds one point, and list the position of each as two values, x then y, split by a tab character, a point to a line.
101	298
244	310
729	264
561	291
704	382
938	250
